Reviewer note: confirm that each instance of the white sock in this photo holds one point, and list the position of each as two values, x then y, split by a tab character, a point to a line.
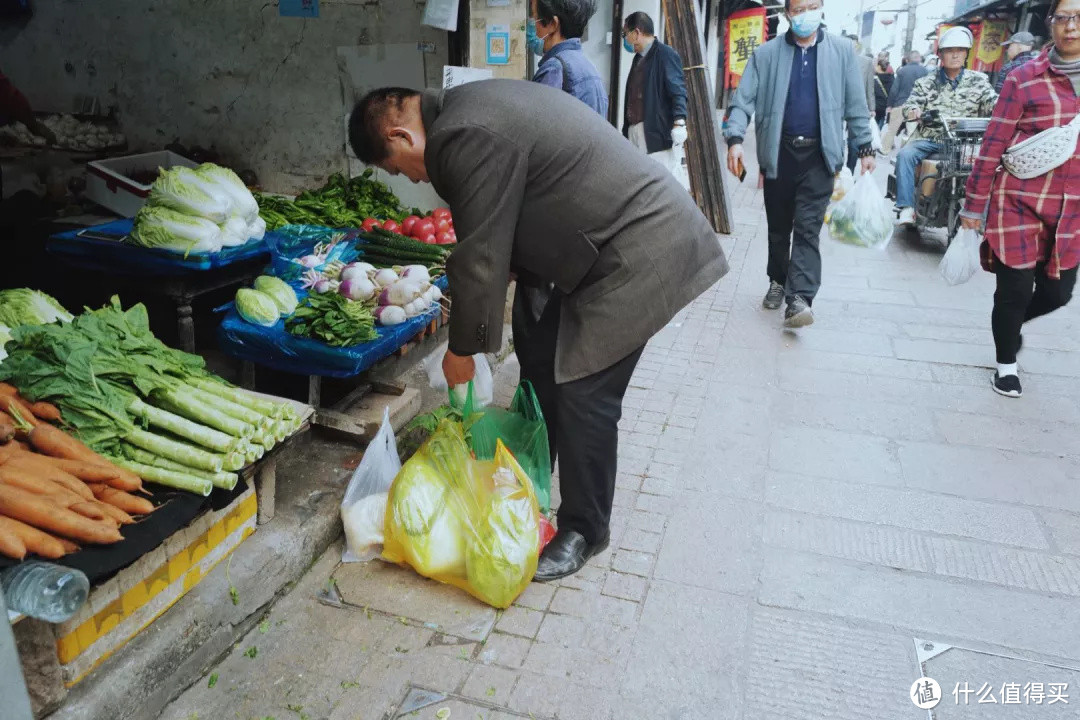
1006	370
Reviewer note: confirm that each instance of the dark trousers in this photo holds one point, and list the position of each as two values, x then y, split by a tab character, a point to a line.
1024	295
582	419
795	204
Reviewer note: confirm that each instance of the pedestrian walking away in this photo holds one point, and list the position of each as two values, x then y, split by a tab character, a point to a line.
654	110
905	79
801	88
883	82
543	187
952	91
866	69
1032	226
1019	49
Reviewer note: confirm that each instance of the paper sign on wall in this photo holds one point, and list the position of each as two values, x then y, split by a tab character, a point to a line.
498	44
298	8
454	75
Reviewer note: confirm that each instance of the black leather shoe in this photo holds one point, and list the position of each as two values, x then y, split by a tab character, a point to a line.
565	555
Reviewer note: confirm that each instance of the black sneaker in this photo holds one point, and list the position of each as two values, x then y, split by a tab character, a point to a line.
775	297
1009	386
798	314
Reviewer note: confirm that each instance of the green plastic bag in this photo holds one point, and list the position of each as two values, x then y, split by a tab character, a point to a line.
523	432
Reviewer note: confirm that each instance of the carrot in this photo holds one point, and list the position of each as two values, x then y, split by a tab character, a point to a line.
122	500
40	486
69	547
115	513
32	464
91	510
39	512
36	541
45	411
8	451
52	441
11	544
12	403
7	431
85	471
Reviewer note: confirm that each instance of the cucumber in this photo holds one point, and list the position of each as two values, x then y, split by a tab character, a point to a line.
400	242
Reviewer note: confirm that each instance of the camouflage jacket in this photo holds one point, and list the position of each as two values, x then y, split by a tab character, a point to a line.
970	95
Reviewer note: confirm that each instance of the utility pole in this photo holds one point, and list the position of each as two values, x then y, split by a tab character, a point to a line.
909	35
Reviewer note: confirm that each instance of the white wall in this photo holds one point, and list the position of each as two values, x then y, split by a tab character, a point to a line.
265	90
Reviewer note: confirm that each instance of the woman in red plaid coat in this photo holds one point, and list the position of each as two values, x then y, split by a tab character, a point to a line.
1032	240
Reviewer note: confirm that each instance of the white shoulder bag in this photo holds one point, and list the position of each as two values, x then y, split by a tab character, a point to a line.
1042	152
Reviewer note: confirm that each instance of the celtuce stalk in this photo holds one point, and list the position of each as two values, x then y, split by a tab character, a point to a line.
207	415
224	480
177	451
241	397
196	433
170	478
232	409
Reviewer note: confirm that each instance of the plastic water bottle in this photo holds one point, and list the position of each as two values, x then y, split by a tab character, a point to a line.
44	591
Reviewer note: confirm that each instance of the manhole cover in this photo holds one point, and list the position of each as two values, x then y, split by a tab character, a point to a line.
979	685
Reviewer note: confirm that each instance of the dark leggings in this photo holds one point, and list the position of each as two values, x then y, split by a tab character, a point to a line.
1024	295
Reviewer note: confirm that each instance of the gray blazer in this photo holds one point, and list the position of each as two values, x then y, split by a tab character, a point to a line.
762	94
538	183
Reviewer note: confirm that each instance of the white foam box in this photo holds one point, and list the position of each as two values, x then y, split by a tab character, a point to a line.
110	184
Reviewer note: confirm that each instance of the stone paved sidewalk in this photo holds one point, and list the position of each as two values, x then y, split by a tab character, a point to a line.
792	512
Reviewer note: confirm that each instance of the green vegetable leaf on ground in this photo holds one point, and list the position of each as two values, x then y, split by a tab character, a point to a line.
251	652
213	681
264	626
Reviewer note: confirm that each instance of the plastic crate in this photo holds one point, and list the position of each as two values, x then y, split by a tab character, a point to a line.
110	184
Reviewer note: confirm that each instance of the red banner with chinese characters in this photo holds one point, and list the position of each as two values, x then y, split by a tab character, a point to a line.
745	31
988	51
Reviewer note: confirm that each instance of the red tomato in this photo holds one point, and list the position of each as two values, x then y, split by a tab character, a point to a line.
369	223
424	228
442	238
408	224
440	213
428	240
441	226
453	237
547	532
392	226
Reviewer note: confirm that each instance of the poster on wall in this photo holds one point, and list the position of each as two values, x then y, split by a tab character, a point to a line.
298	8
441	14
498	44
745	31
454	75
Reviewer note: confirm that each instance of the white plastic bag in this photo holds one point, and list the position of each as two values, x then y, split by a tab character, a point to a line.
864	217
961	260
875	135
842	185
483	382
674	161
364	505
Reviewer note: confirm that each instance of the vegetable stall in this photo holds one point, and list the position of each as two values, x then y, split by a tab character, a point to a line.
111	443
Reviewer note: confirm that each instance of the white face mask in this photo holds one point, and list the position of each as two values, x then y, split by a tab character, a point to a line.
807	23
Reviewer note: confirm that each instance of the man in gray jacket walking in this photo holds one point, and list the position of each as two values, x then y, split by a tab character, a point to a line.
801	88
543	187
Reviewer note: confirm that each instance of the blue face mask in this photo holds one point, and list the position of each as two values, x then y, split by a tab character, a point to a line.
807	23
627	46
534	42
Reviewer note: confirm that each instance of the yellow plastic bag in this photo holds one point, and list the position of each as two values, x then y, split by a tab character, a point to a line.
468	523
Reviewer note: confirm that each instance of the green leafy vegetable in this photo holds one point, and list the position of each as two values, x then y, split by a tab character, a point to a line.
182	189
280	291
213	681
256	307
333	319
168	229
23	306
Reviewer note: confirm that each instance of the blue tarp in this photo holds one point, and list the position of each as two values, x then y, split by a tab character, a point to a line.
276	348
117	257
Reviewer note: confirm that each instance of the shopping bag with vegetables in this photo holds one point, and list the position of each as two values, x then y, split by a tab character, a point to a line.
863	218
469	523
523	431
363	508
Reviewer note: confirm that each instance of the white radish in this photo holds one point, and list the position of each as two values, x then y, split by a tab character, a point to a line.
390	315
385	278
415	307
357	288
354	271
416	272
401	293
